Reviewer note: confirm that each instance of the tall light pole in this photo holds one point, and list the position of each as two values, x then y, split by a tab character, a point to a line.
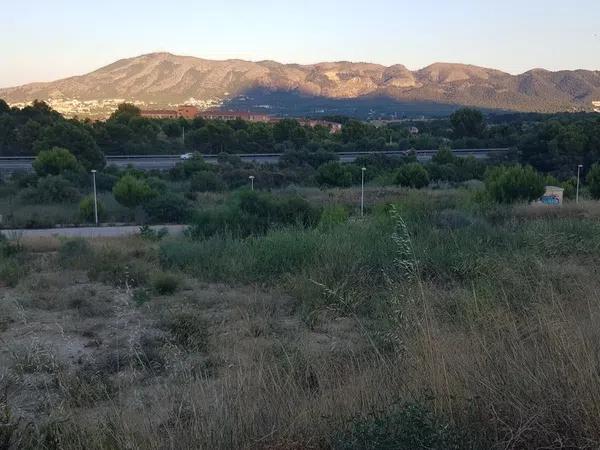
362	192
579	167
95	196
251	181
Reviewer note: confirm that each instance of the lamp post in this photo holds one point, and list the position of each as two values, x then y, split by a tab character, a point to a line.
95	197
251	181
362	192
579	167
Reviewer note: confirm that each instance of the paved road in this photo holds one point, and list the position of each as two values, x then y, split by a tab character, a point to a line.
164	162
87	232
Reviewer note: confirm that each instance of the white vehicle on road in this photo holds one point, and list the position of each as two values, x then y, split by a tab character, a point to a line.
186	156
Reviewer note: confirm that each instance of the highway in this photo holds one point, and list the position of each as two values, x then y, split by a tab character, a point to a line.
9	164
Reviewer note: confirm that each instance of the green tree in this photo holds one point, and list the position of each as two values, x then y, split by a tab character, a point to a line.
167	207
4	108
593	181
444	156
77	139
468	122
86	209
514	183
131	191
206	181
124	112
412	175
55	161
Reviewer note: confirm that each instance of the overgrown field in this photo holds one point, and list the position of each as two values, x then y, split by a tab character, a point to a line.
437	321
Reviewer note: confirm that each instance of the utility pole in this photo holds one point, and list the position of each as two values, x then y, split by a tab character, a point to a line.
95	197
579	167
362	192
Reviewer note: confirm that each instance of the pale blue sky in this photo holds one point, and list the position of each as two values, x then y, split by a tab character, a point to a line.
42	40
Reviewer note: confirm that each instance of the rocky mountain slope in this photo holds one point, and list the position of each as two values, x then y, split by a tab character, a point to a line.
163	79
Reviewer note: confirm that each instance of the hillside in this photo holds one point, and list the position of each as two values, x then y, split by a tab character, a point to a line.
161	79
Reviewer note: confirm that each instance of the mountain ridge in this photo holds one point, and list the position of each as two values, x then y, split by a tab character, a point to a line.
162	78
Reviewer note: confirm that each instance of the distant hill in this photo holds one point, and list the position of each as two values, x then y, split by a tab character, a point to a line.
161	79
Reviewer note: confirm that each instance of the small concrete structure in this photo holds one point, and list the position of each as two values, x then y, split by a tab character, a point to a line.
553	196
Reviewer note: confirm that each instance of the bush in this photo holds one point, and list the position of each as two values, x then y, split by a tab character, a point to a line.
412	175
131	191
206	181
153	235
165	283
334	174
52	188
86	209
593	181
167	207
55	161
189	330
514	183
332	216
251	212
11	271
75	254
412	427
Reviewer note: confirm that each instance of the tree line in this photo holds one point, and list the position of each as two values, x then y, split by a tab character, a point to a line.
553	144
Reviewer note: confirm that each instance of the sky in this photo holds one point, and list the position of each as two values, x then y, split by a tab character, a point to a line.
43	40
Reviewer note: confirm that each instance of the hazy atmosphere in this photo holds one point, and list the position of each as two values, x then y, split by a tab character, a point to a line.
50	40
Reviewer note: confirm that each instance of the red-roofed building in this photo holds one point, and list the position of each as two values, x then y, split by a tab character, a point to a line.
159	114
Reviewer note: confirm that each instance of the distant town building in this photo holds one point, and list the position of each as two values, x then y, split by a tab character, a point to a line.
413	130
333	127
234	115
190	112
159	113
596	106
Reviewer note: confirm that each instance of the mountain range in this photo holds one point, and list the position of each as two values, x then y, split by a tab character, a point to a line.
162	79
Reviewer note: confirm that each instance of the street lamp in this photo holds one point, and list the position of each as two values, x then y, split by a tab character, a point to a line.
362	192
579	167
251	181
95	197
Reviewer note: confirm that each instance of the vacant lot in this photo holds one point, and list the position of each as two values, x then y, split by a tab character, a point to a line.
435	322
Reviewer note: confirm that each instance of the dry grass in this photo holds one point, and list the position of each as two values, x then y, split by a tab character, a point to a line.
213	366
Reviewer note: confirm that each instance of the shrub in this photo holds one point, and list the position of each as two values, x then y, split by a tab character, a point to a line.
412	427
11	271
141	296
131	191
334	174
75	254
55	161
593	181
165	283
167	207
332	216
52	188
444	156
86	209
514	183
189	330
195	164
251	212
206	181
412	175
153	235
